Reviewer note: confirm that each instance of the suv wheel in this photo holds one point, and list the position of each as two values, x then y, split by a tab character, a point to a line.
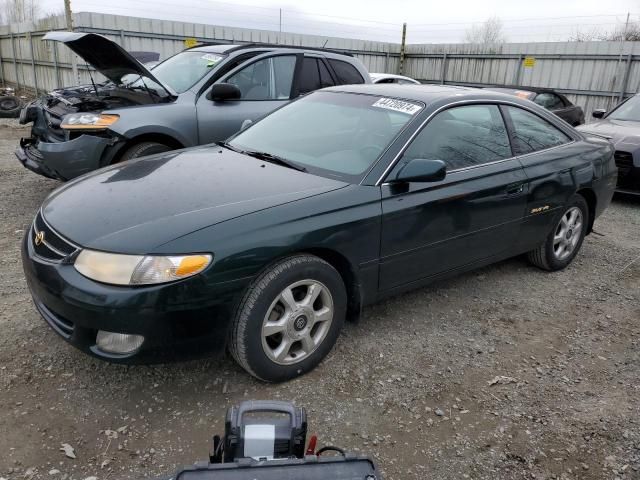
289	319
564	241
143	149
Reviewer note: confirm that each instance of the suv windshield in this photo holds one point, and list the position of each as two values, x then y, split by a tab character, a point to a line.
339	135
629	110
180	72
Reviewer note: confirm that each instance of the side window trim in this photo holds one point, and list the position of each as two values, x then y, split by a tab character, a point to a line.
501	104
452	107
510	128
259	58
332	74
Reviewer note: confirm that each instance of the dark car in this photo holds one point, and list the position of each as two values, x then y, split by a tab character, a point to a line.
549	99
198	96
267	242
622	127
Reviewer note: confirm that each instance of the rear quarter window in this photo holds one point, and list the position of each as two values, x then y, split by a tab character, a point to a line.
347	74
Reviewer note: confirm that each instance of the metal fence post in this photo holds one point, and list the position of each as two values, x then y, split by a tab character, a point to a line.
625	78
516	75
15	61
55	65
402	48
386	63
33	64
443	72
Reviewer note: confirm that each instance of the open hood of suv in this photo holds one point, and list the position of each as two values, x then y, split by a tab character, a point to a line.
107	57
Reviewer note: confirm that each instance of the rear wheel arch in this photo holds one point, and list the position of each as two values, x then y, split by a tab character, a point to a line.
592	201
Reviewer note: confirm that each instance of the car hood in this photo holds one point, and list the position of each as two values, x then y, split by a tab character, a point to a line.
107	57
620	132
137	206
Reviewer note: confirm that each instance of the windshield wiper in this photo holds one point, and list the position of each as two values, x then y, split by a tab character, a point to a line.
267	157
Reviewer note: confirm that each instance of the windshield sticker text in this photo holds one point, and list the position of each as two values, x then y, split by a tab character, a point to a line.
398	106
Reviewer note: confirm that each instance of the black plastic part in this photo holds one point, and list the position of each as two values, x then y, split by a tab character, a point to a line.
348	467
290	437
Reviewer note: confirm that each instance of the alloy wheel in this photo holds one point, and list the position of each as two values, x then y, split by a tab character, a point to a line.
568	233
297	322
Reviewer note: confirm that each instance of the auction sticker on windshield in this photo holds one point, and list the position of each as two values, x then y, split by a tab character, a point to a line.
397	105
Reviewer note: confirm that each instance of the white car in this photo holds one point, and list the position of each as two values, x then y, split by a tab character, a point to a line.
391	78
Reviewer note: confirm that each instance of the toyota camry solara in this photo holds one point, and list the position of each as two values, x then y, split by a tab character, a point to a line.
265	244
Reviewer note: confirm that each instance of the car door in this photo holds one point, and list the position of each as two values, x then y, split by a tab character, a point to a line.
265	82
313	75
473	214
553	163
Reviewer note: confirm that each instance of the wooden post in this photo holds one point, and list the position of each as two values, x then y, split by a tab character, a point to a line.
33	64
15	60
402	48
69	17
625	78
443	73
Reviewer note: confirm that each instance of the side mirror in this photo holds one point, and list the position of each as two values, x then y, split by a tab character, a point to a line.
598	113
421	170
221	92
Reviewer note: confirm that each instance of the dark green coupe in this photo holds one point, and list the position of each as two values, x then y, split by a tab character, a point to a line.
267	243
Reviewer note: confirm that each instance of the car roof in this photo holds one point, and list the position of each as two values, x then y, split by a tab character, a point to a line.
387	75
515	88
424	93
228	48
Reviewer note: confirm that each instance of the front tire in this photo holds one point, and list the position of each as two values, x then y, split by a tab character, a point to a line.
289	318
144	149
564	241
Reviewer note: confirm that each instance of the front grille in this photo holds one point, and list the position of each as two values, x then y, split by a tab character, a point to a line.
49	244
623	159
61	325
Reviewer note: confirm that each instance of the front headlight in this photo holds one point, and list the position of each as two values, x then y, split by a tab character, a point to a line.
88	121
120	269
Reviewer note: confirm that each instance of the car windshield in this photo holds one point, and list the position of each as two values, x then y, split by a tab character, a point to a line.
180	72
629	110
333	134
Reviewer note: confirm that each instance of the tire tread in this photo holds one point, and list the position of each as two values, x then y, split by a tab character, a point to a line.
238	326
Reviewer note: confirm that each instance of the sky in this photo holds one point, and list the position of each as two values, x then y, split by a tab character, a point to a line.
427	21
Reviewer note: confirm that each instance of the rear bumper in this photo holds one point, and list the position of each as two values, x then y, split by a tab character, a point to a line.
63	160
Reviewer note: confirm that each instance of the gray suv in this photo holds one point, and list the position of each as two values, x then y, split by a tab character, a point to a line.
198	96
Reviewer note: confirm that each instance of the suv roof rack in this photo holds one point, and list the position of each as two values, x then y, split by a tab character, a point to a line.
273	45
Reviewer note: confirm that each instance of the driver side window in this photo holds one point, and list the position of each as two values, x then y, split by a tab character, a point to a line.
463	137
266	79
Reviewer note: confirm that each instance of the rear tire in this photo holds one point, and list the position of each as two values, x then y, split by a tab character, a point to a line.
144	149
289	319
564	241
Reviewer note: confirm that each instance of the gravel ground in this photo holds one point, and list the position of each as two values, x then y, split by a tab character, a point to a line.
409	384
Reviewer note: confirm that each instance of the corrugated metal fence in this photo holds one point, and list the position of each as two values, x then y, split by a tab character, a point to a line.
591	74
28	62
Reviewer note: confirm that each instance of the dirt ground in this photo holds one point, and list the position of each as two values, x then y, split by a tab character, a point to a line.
409	384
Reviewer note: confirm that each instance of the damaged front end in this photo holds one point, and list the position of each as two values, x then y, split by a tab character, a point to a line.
68	136
64	153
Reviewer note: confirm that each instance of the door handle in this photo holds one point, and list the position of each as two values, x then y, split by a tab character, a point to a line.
515	189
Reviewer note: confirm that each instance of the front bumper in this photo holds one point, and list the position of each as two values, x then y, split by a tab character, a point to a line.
63	160
628	180
178	320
